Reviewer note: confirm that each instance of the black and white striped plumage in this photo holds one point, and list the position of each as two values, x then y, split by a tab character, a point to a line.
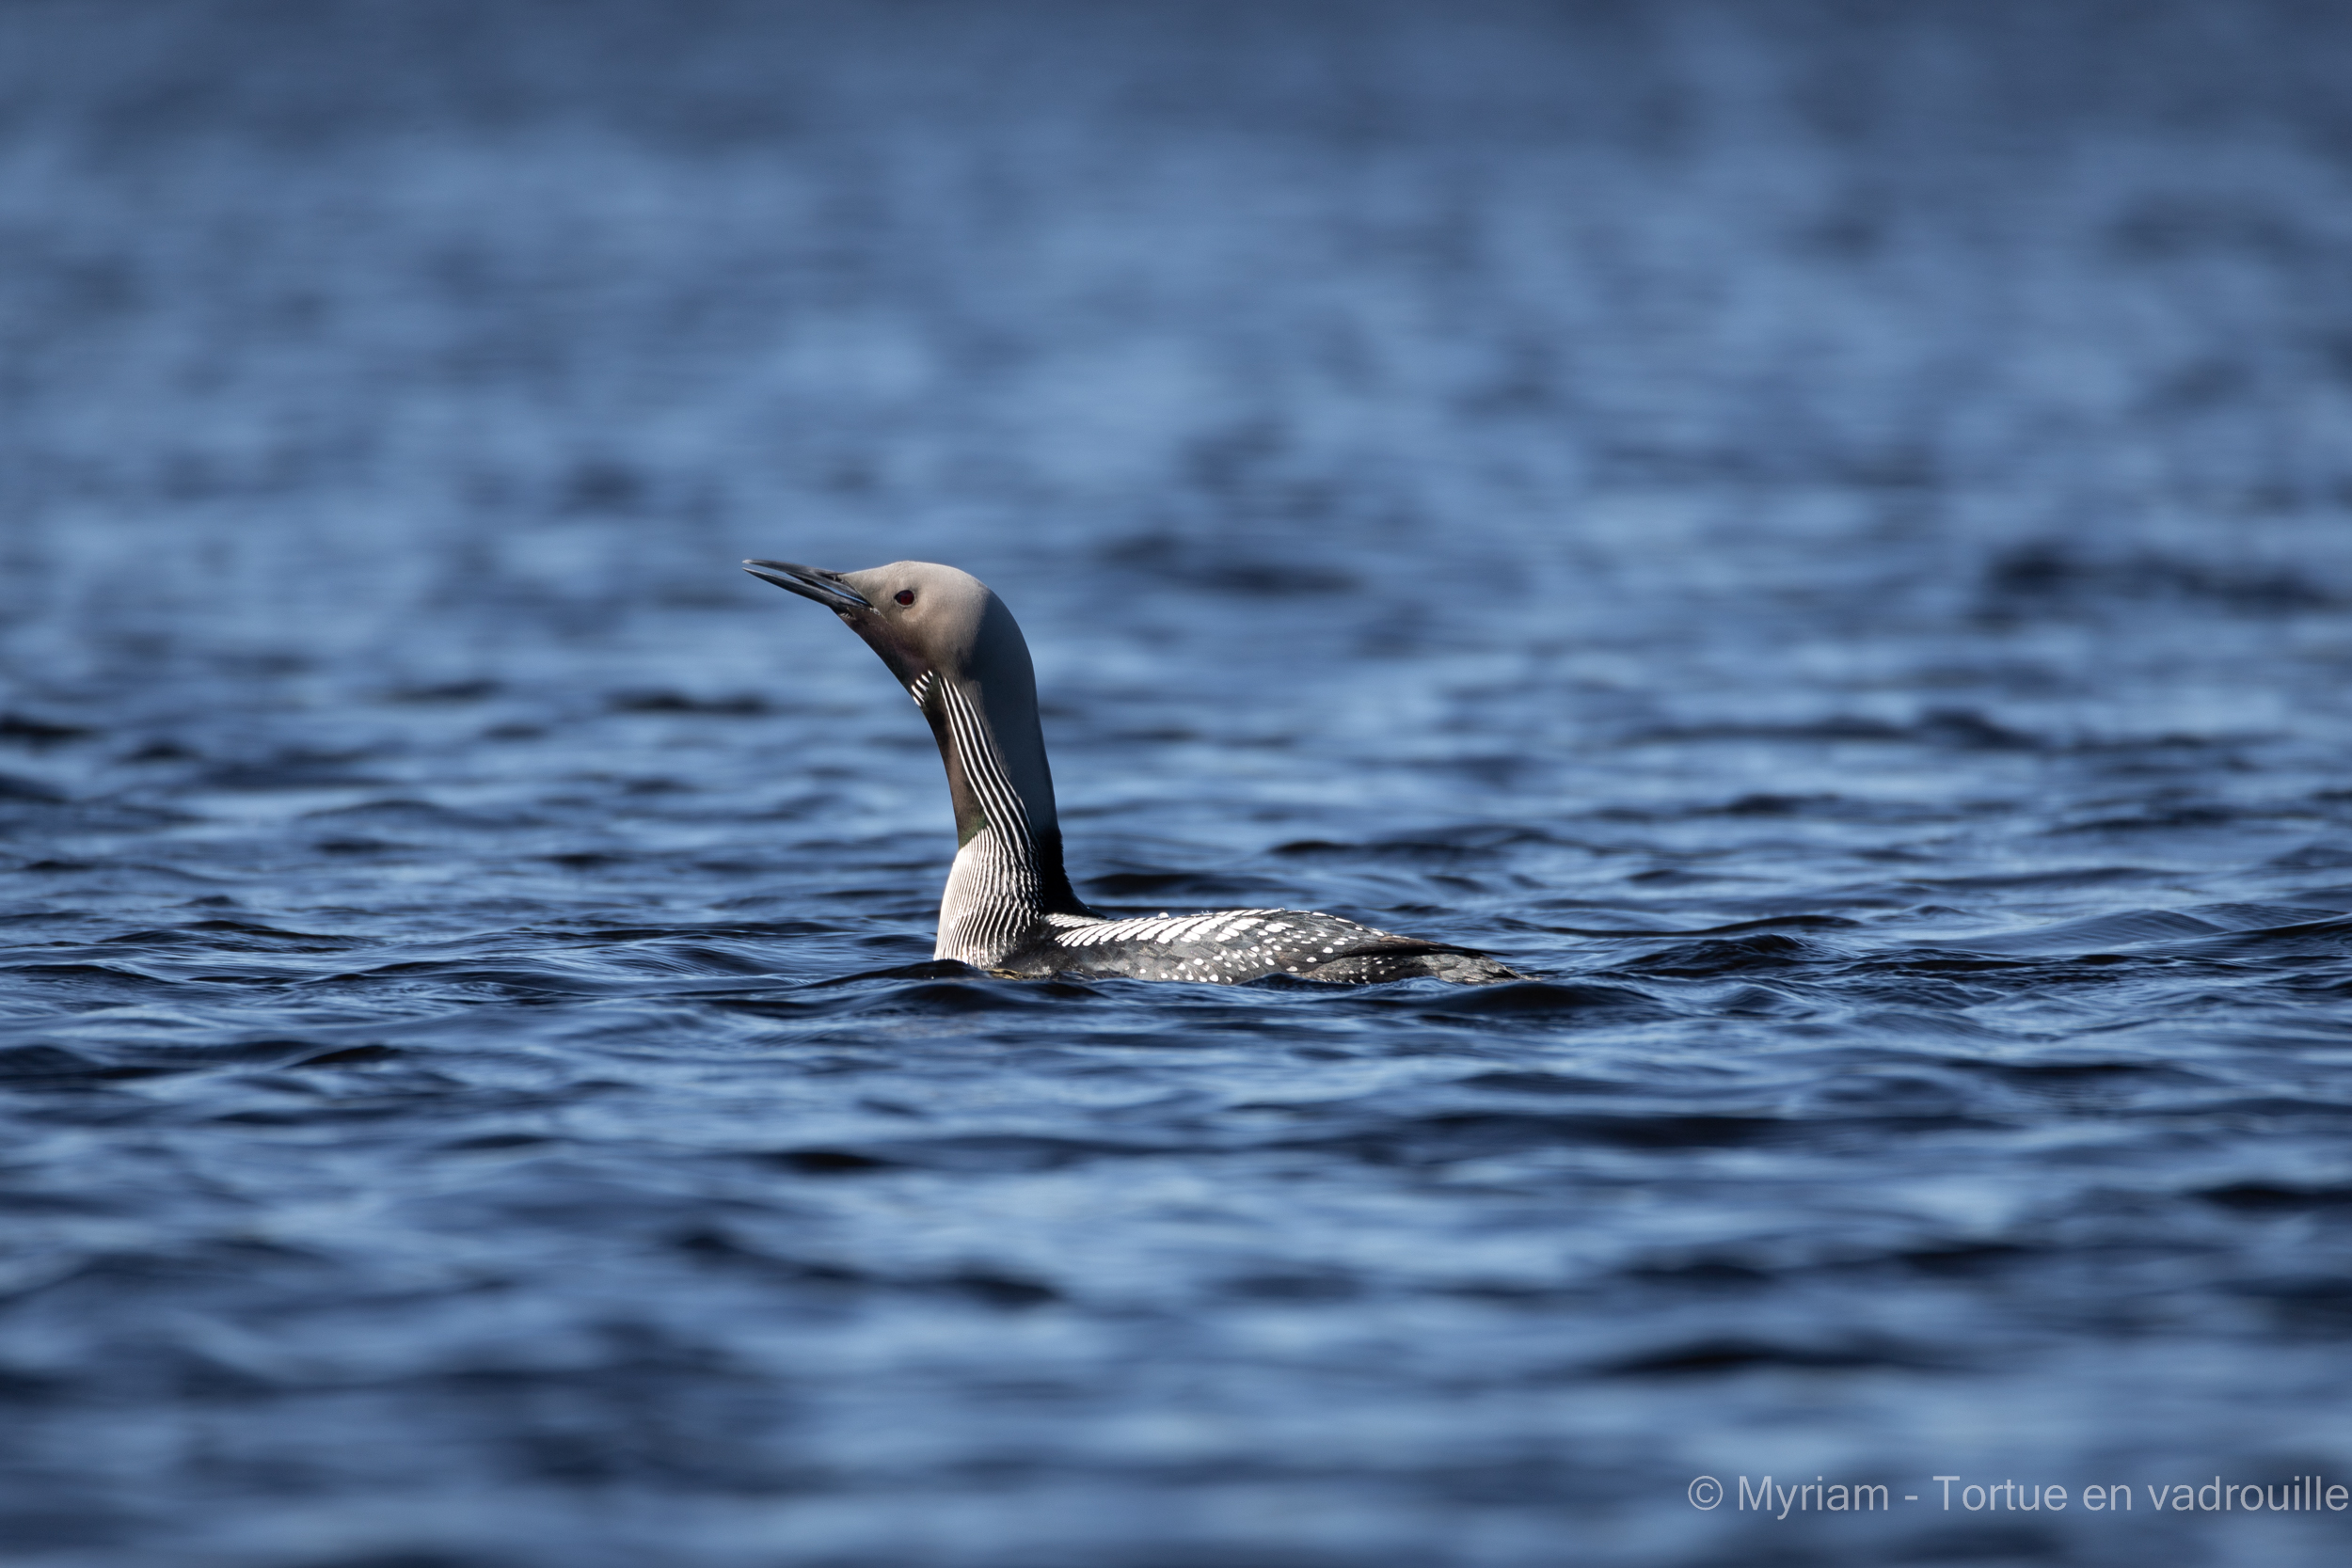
1009	907
1228	945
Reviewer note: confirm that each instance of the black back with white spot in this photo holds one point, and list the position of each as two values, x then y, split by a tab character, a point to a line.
1225	946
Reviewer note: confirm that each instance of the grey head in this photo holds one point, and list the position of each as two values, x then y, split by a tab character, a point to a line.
959	653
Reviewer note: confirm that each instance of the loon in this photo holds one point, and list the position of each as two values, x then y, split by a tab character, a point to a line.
1009	908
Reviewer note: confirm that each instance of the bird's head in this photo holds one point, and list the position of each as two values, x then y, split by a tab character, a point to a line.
922	618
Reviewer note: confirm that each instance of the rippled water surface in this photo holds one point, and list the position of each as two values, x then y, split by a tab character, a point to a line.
1824	533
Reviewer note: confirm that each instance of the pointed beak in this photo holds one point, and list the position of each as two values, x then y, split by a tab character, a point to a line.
826	588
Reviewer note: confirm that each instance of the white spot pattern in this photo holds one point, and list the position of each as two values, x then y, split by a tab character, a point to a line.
1227	945
1215	926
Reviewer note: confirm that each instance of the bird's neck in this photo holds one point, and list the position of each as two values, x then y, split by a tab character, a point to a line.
1007	875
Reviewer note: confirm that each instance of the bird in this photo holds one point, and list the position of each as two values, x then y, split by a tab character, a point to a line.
1009	908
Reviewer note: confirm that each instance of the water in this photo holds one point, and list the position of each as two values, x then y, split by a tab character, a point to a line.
1825	533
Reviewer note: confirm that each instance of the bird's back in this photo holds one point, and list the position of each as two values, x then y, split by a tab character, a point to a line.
1223	946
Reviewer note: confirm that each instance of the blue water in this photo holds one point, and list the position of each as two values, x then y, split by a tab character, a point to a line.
1822	531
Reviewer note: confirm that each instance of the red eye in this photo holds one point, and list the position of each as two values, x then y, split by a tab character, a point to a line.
904	595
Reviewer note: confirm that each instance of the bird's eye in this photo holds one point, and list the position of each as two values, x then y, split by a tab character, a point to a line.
904	595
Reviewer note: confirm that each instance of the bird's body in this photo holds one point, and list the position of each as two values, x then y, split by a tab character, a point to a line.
1009	907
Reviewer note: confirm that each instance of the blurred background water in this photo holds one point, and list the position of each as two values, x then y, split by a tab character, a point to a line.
1824	531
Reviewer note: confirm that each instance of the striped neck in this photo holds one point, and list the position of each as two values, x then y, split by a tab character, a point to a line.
1007	875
